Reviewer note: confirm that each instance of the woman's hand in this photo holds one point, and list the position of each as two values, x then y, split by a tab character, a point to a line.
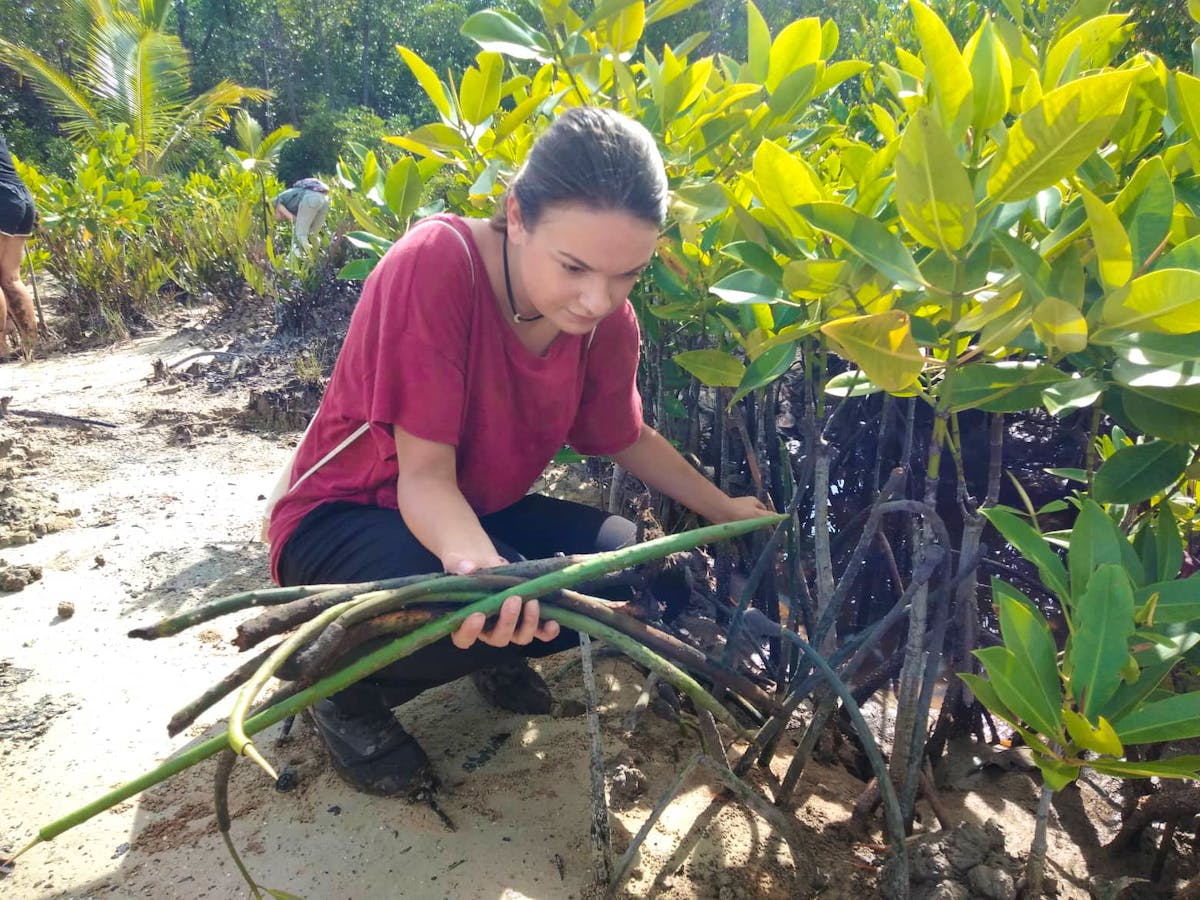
737	508
513	625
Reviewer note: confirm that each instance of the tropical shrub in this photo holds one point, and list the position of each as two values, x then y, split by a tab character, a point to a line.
988	230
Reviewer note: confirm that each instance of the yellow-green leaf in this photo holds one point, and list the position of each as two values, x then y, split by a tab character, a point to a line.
1100	739
948	75
1060	326
1051	140
991	76
427	79
933	191
1165	300
623	30
758	37
713	367
479	93
798	45
1114	255
867	239
1092	45
783	182
882	345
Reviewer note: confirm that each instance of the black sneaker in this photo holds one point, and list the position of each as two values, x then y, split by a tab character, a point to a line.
515	687
373	753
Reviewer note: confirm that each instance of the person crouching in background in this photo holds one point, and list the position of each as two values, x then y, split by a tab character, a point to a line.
305	204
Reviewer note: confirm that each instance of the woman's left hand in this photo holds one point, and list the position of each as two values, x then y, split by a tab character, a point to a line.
515	623
737	508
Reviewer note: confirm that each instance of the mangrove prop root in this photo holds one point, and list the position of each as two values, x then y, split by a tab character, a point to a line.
668	645
227	685
305	606
631	648
239	740
310	663
397	649
224	605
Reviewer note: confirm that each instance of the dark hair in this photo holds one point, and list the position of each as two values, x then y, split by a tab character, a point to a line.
594	157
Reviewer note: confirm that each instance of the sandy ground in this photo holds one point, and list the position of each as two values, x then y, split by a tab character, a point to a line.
161	512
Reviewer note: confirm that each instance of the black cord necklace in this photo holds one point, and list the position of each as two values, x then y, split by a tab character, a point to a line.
512	304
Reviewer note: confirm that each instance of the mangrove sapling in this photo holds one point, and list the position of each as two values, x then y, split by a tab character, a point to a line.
427	634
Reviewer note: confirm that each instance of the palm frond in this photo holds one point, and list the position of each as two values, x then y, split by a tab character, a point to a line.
248	133
208	112
274	142
69	102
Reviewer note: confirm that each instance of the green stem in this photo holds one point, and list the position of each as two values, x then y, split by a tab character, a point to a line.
422	637
239	741
649	659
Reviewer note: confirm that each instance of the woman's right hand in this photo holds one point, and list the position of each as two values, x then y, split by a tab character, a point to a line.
517	622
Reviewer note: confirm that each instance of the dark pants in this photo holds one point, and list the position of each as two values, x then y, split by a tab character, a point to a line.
348	542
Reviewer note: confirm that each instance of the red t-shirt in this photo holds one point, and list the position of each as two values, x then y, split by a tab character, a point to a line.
428	349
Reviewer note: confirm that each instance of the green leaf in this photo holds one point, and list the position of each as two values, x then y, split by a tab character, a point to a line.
1176	767
1057	775
768	367
1103	617
1051	140
427	79
747	286
713	367
1169	413
1137	473
1016	689
1165	300
1096	540
948	75
1000	387
1069	396
357	269
1175	353
1178	600
851	383
697	203
1174	719
991	76
504	32
1030	544
986	694
403	187
1027	636
664	9
933	192
868	239
1168	547
1114	255
882	345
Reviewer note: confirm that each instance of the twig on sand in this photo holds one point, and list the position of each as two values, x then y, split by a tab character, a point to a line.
601	835
49	417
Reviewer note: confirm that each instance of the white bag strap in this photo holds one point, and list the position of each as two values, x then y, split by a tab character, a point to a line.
282	487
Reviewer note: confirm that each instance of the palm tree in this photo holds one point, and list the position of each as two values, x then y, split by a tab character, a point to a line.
133	72
257	154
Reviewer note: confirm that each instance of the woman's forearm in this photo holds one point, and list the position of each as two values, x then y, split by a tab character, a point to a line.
653	460
438	515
